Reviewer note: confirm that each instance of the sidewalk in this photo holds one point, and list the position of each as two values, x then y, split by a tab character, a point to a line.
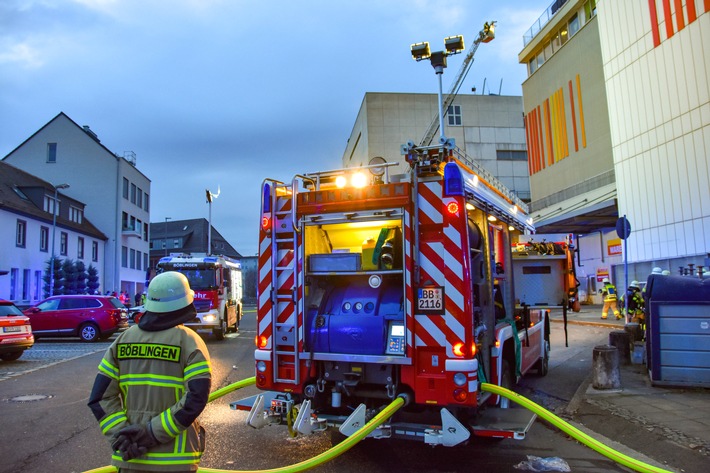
680	414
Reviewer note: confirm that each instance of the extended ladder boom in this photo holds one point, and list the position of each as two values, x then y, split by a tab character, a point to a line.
484	36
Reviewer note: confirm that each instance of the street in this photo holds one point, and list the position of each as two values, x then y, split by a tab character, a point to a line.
47	426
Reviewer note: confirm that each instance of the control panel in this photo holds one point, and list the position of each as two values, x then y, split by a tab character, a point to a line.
395	338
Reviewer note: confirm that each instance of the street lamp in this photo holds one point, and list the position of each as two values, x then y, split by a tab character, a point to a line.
210	195
165	244
420	51
55	210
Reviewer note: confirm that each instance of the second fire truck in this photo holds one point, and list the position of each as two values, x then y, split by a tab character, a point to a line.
217	282
378	286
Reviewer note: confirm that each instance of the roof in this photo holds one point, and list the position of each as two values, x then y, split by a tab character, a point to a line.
85	129
193	233
22	193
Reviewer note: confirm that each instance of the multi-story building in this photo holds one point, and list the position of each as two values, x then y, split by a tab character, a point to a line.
488	128
617	114
117	193
37	221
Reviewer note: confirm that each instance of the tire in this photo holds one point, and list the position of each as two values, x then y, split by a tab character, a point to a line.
12	356
89	333
543	364
219	332
506	381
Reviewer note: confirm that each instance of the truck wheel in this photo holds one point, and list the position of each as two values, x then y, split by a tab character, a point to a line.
219	332
542	365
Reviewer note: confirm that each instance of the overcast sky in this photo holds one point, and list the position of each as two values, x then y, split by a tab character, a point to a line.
225	93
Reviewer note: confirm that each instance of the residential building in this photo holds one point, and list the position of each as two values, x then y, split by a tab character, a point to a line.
36	218
488	128
186	236
617	114
119	194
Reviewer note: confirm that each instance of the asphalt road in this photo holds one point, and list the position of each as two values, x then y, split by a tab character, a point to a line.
47	426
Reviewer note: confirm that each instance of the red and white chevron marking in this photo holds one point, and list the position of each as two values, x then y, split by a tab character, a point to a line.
442	264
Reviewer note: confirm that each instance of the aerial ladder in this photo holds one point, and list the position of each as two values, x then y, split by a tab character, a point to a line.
486	35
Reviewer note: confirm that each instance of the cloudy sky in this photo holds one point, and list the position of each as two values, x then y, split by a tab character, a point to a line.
225	93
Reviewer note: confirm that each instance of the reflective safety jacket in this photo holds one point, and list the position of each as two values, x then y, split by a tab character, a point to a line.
157	377
609	292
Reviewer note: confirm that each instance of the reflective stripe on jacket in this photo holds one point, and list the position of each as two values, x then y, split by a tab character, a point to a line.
159	378
609	292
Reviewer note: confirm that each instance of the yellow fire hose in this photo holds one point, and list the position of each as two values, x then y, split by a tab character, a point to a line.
397	404
572	431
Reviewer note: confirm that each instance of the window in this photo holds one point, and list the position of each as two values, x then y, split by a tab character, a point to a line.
21	234
38	285
50	204
133	193
125	188
533	65
80	248
124	256
139	257
548	51
133	258
145	260
26	279
590	9
454	114
573	24
94	251
44	239
132	225
540	59
146	202
124	221
14	275
145	231
51	152
563	34
504	155
76	214
176	243
63	243
139	197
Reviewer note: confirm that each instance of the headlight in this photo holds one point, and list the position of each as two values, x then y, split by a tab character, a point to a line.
459	379
261	366
209	318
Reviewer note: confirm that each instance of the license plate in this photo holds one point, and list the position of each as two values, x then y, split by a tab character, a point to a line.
12	329
430	300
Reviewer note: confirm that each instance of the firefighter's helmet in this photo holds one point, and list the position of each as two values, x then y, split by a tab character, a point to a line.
169	302
605	280
657	270
634	285
167	292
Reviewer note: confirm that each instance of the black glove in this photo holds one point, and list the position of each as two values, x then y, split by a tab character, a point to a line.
134	438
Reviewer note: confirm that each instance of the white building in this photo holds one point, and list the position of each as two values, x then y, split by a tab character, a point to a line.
62	152
28	229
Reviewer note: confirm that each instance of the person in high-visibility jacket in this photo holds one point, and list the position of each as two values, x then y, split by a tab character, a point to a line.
153	382
636	302
609	293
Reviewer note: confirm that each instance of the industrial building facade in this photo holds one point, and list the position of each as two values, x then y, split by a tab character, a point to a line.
617	116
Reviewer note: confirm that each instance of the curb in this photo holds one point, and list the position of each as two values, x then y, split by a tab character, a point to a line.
585	322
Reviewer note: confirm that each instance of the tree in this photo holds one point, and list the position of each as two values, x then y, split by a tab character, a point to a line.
92	279
81	276
47	277
69	277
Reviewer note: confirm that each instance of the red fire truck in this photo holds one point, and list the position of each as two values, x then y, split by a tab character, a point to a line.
373	287
217	282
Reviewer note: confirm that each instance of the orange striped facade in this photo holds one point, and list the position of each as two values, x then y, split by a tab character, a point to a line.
674	19
547	127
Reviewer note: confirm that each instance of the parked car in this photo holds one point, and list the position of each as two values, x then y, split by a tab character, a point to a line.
15	332
84	316
136	312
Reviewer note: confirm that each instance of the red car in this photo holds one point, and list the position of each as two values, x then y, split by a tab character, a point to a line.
15	332
84	316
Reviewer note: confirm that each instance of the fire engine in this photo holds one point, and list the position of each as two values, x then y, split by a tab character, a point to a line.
392	285
217	282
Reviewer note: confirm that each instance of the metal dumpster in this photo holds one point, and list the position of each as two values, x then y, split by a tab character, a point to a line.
678	330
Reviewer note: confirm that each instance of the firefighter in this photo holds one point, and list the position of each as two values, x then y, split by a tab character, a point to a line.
635	304
153	382
609	293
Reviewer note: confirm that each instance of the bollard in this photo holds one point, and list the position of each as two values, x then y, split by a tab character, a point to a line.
605	367
635	332
622	341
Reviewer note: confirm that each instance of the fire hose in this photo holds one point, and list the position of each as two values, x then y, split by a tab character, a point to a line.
397	404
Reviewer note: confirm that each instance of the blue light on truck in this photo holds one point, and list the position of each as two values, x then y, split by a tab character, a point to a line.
453	180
